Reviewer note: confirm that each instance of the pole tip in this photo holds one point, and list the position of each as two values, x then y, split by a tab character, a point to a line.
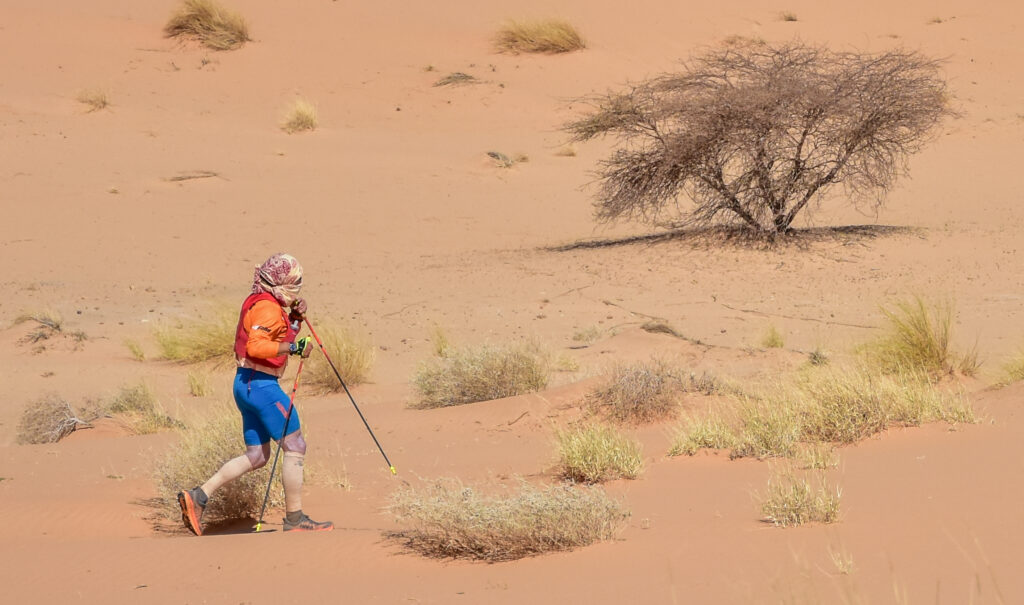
393	471
258	525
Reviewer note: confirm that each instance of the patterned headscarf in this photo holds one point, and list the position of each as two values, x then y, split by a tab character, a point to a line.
281	277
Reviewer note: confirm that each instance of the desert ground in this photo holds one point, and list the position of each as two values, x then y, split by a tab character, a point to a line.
403	223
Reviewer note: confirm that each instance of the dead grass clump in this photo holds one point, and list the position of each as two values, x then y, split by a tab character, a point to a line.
301	116
1014	369
456	78
351	353
48	420
198	384
772	339
467	375
135	349
449	519
917	338
545	36
595	454
709	432
209	23
48	323
96	99
660	326
138	410
208	338
203	449
787	16
647	391
792	500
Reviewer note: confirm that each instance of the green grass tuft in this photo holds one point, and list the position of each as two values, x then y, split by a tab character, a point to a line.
772	339
208	338
709	432
137	409
595	454
792	500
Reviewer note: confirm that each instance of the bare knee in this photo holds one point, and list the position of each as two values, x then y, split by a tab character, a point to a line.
257	455
294	443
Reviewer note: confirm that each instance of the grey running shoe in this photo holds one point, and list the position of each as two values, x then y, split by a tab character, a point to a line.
191	510
307	524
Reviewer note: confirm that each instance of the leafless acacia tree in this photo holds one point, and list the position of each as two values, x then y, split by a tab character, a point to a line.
753	133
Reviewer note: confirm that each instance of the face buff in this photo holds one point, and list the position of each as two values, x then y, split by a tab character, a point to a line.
281	277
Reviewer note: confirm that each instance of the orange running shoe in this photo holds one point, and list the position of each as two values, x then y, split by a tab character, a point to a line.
191	510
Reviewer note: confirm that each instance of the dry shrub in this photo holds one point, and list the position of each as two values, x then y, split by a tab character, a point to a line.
587	335
711	432
595	454
449	519
660	326
96	99
48	323
301	116
755	133
203	449
467	375
138	410
209	338
48	420
792	500
647	391
544	36
351	353
208	22
456	78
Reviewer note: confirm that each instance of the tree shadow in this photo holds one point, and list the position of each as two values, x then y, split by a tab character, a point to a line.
709	237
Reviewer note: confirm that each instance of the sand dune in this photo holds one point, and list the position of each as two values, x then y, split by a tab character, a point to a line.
403	222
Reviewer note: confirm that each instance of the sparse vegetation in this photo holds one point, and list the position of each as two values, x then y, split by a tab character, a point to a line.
439	339
201	452
210	338
96	99
646	392
918	338
209	23
198	384
817	357
841	407
772	339
448	519
504	161
753	133
456	78
821	456
351	353
301	116
1014	369
48	323
137	409
135	349
709	432
48	420
792	500
787	16
544	36
594	454
566	151
587	335
660	326
467	375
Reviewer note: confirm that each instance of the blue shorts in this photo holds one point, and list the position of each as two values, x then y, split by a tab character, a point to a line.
264	407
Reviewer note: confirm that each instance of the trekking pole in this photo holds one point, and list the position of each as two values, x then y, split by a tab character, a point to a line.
347	392
273	467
